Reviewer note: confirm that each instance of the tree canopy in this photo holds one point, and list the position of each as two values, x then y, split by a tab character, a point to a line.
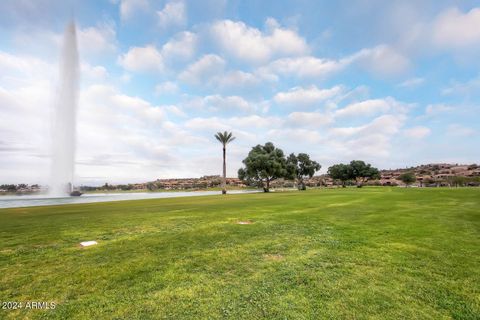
356	170
408	178
300	167
264	164
224	137
340	172
362	171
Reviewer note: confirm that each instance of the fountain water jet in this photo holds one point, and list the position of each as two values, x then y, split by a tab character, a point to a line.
64	125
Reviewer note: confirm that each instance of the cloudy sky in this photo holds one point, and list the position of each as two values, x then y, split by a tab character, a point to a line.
395	83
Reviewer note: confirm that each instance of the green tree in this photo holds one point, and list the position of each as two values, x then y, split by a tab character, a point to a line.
458	181
151	186
408	178
224	138
264	164
473	181
342	172
361	172
300	167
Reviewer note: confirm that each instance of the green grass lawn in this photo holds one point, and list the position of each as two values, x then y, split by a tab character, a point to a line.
376	253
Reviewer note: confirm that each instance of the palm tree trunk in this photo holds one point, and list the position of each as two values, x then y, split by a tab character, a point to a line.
224	180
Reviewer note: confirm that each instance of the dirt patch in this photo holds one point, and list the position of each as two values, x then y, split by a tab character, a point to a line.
245	222
273	257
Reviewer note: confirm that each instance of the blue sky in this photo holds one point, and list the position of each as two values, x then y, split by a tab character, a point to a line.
394	83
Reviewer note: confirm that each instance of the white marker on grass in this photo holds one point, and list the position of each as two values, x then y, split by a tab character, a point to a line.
88	243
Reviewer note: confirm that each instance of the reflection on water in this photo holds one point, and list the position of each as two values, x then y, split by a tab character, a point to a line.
43	200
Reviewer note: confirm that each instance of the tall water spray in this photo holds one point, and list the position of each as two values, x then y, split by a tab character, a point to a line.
64	125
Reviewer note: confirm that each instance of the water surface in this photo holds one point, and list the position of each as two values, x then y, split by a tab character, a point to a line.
44	200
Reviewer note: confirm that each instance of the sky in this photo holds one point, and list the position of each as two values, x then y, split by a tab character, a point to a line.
394	83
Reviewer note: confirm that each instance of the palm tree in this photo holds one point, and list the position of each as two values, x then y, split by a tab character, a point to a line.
224	138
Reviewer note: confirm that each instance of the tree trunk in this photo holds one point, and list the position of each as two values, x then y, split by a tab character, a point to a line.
267	188
224	178
360	183
301	185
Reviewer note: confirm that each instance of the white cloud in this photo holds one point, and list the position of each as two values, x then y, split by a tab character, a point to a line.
309	119
97	40
436	109
417	132
255	121
140	59
167	87
150	59
137	133
181	47
458	130
25	107
306	96
382	60
26	94
252	45
95	73
236	79
385	124
299	136
304	67
464	89
243	123
121	137
129	7
26	67
173	14
454	29
222	105
125	78
207	66
412	83
105	97
175	111
202	124
93	41
217	103
371	140
209	73
371	107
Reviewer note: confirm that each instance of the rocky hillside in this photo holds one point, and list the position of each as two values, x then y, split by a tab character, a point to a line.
437	174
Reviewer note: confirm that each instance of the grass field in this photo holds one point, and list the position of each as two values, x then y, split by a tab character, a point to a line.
376	253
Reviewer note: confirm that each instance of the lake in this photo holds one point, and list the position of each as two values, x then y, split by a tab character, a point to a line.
43	200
